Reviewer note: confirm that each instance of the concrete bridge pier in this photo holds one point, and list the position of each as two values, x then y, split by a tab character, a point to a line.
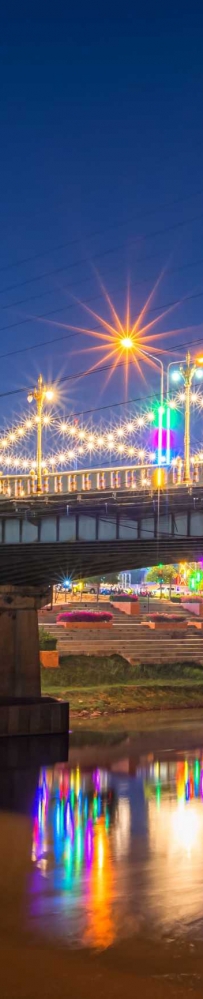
22	709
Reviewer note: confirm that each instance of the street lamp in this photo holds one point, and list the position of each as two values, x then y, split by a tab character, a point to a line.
187	372
40	394
176	375
127	343
161	405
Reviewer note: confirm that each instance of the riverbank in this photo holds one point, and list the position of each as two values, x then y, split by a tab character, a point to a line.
97	686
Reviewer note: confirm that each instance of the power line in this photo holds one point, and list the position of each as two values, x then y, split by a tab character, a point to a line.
94	371
104	253
75	333
50	291
100	232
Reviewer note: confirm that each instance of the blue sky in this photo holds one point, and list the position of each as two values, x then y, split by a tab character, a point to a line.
100	172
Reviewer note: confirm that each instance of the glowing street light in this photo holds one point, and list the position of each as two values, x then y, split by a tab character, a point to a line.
41	394
187	371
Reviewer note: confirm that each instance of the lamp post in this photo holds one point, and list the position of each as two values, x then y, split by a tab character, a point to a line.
41	393
187	373
168	412
161	406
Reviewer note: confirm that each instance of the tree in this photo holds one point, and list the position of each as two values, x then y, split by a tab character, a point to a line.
162	574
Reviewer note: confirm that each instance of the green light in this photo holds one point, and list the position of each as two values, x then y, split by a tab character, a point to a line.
158	795
95	807
197	771
198	577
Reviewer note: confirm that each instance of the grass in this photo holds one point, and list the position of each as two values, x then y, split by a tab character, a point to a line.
98	685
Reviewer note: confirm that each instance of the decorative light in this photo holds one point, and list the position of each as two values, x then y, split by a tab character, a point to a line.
46	420
49	394
194	396
140	421
182	396
120	432
150	417
127	342
176	375
121	448
129	427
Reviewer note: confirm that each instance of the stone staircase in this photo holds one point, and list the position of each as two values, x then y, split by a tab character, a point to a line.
129	638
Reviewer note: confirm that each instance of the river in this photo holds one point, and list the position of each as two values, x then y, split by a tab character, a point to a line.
101	846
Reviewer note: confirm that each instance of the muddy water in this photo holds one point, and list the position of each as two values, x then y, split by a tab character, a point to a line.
102	854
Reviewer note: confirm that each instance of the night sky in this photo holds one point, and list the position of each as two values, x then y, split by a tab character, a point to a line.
101	177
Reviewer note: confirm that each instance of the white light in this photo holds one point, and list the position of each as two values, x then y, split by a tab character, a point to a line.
150	417
199	373
46	420
182	396
141	454
52	461
140	421
49	394
63	427
81	434
110	438
127	342
176	375
80	449
130	427
101	441
121	448
131	451
28	425
120	432
30	397
194	396
61	457
71	454
73	431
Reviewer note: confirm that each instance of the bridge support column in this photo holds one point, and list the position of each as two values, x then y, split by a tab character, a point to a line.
19	640
22	710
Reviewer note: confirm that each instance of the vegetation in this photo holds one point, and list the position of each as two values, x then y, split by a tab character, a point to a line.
46	641
167	617
104	686
84	616
162	574
94	671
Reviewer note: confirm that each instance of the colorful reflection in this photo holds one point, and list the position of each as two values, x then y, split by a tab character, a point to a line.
72	820
113	848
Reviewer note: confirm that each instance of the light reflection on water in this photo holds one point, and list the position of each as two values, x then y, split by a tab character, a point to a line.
113	852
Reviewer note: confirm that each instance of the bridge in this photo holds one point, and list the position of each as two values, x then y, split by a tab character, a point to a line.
45	538
84	520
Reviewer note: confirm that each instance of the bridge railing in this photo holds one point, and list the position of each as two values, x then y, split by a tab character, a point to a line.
96	480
